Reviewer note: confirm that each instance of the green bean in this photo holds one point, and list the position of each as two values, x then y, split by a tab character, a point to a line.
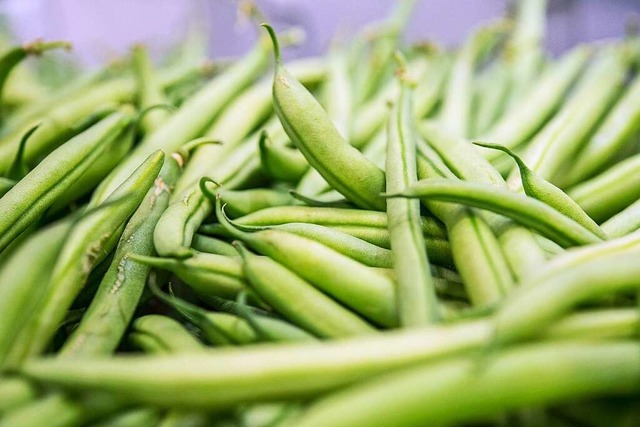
244	202
222	378
541	189
211	245
15	392
298	301
519	123
88	242
192	117
457	102
332	216
162	334
612	135
206	274
538	303
562	137
624	222
337	98
524	210
149	90
30	197
22	276
415	292
608	193
316	137
562	372
116	299
354	284
279	162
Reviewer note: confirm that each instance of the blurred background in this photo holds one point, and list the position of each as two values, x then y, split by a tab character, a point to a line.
103	29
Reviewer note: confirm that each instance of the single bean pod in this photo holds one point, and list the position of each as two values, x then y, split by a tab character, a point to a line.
244	202
354	284
88	242
539	303
316	137
155	333
541	189
415	291
223	378
524	210
564	371
206	274
111	309
298	301
211	245
30	197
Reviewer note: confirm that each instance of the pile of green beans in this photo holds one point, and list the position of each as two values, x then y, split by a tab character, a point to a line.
386	235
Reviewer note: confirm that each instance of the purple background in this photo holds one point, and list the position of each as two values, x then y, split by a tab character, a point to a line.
102	29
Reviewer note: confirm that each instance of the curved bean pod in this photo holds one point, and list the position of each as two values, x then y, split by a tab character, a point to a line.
223	378
524	210
316	137
541	189
415	291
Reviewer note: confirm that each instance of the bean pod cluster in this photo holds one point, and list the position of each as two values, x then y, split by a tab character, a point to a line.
388	235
